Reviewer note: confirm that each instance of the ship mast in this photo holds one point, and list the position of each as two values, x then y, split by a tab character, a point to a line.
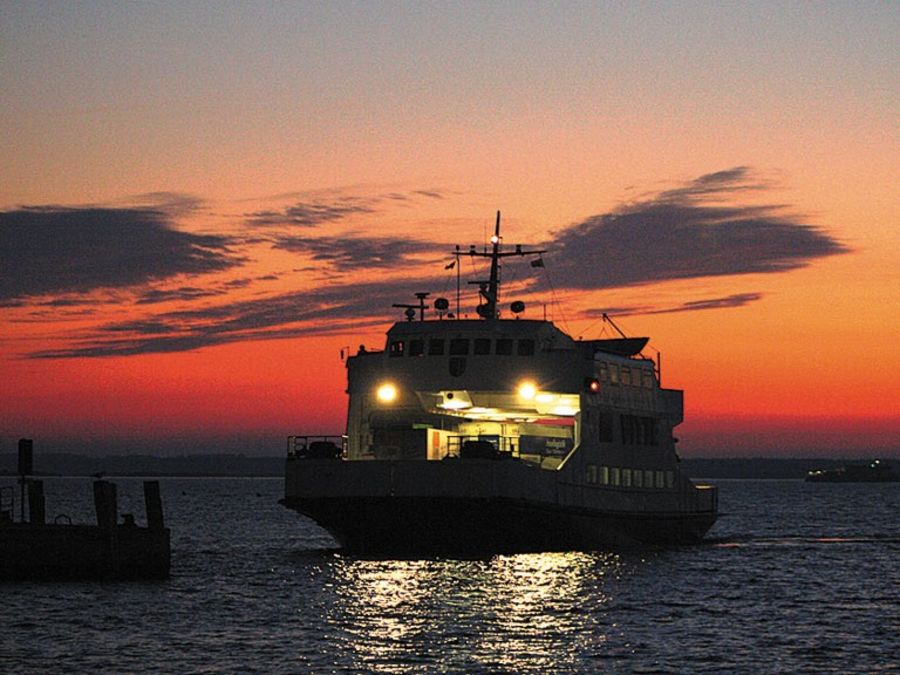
490	289
492	296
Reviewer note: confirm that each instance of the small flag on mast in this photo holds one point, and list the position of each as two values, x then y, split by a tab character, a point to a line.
537	263
450	266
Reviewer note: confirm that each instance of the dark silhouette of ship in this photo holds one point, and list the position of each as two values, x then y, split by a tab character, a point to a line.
499	434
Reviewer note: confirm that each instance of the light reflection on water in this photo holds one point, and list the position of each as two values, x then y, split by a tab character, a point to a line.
539	609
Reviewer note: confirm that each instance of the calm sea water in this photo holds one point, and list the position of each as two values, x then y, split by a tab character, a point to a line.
795	578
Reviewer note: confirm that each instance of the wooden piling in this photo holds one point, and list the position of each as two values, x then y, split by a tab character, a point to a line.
36	502
106	505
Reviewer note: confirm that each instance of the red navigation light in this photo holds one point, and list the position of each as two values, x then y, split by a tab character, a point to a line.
592	384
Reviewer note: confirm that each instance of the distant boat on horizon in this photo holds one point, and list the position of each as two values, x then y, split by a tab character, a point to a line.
875	471
499	434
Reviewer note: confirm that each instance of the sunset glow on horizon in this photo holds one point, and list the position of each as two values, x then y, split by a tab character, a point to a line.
201	207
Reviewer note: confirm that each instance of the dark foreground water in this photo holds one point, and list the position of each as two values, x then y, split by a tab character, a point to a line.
795	578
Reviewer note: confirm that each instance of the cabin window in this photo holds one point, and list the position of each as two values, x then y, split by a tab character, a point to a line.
626	375
604	475
660	479
626	477
459	347
648	478
615	477
435	347
481	346
627	429
670	479
591	474
397	348
416	347
648	379
638	478
605	433
603	373
526	347
613	374
504	347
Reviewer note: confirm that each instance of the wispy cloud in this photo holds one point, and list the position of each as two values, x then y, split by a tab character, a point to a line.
699	229
688	232
184	293
53	250
312	212
351	252
307	214
328	310
725	302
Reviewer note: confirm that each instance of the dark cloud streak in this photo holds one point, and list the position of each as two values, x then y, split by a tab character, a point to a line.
349	252
305	214
687	233
51	250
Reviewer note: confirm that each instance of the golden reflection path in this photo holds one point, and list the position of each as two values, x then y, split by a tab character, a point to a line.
490	615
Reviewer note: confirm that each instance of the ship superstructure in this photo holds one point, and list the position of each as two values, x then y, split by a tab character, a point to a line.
498	434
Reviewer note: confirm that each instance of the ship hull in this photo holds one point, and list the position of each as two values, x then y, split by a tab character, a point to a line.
478	505
435	525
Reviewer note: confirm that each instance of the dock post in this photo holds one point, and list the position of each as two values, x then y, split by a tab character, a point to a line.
106	505
153	504
36	502
26	468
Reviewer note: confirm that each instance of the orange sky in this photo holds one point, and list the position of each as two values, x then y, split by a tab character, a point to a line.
199	209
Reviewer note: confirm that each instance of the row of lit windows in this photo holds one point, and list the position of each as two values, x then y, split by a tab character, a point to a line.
462	347
623	477
613	374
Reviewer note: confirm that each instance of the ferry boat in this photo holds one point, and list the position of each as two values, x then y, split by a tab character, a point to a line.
499	434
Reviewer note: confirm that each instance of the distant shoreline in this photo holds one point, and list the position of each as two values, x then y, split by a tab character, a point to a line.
242	466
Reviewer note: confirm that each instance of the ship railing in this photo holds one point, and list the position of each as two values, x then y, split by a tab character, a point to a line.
321	446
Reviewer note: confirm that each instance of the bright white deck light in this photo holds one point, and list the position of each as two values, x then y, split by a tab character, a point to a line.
527	390
386	393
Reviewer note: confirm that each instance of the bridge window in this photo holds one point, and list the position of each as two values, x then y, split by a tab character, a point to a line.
626	375
605	434
459	347
613	374
396	348
435	347
481	346
504	347
648	379
526	347
416	347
